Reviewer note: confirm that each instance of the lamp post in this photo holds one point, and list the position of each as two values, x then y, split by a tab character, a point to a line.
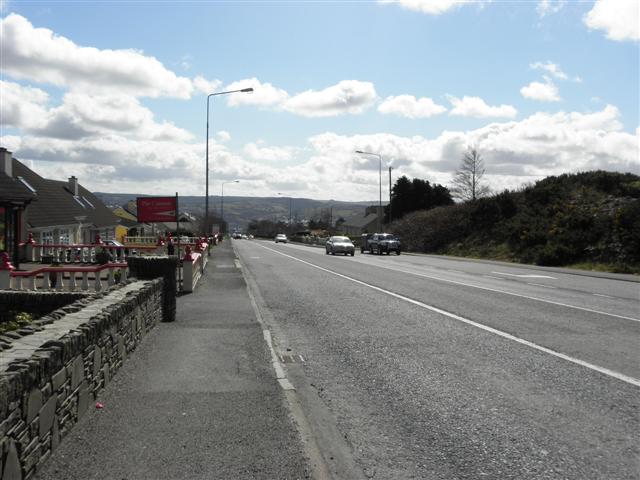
222	199
380	174
206	198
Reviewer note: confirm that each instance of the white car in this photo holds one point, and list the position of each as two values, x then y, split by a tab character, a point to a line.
281	237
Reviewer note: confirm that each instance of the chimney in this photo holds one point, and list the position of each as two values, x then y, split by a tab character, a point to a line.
5	162
73	185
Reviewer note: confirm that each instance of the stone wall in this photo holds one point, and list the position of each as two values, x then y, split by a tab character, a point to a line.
50	377
37	303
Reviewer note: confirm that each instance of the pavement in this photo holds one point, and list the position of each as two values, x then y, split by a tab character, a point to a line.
199	399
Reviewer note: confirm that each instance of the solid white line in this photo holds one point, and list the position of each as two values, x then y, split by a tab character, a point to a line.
525	275
538	299
495	331
602	295
541	285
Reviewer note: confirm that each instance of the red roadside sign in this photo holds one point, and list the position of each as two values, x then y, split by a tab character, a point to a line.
157	209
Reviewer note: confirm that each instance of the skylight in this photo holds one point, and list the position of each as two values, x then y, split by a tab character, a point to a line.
77	199
88	202
27	184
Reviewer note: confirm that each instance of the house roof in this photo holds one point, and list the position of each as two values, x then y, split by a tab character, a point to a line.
57	205
359	221
13	191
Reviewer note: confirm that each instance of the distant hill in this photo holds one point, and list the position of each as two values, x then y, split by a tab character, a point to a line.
239	211
589	219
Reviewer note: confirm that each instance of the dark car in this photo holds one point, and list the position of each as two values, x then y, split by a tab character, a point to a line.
380	243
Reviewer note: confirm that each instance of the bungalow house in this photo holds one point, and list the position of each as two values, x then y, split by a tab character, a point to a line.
15	195
359	224
62	212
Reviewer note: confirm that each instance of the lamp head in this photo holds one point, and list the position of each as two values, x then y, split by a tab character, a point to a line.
247	90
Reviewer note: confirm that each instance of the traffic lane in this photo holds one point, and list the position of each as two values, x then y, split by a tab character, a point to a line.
602	341
598	293
420	396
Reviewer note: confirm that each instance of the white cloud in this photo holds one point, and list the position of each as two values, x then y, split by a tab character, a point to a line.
258	152
549	7
620	19
477	107
263	95
543	92
410	107
39	55
205	86
430	7
348	96
551	68
21	106
555	71
515	152
81	115
223	136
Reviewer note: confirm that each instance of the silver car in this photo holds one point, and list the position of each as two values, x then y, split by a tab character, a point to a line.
281	237
340	245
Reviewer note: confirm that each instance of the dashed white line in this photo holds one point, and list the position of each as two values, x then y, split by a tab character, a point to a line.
495	331
602	295
491	276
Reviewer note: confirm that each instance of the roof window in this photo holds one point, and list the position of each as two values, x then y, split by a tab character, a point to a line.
27	184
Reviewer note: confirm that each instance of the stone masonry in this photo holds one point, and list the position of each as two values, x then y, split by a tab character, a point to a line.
49	377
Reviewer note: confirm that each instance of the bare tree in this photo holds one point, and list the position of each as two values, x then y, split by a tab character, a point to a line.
467	181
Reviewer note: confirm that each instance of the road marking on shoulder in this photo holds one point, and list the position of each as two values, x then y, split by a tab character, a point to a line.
524	275
495	331
541	285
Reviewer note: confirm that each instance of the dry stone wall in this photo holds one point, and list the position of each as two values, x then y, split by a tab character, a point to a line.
50	377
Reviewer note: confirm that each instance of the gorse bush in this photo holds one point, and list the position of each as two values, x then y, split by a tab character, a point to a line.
591	217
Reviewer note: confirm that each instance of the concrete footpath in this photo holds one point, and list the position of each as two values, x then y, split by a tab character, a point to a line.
197	400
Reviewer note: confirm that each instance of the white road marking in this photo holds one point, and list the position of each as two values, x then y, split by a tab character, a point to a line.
541	285
524	275
506	292
285	384
602	295
495	331
491	276
452	270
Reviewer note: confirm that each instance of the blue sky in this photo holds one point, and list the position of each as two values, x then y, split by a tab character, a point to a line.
115	92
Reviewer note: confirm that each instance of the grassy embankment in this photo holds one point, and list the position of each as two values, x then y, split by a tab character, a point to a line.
588	220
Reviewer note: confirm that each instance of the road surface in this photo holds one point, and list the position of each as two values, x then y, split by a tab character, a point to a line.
426	367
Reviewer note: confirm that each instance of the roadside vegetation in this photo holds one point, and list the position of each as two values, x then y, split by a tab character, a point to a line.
15	321
588	220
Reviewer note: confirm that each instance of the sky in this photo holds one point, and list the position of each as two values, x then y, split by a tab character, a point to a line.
116	92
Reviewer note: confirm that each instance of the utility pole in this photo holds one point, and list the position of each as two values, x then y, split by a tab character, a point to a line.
390	217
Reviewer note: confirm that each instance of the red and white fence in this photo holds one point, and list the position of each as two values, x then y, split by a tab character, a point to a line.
61	278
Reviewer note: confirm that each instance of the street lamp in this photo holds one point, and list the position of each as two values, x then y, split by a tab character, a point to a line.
222	199
206	200
380	173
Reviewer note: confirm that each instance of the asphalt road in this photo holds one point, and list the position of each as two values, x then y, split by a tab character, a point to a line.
425	367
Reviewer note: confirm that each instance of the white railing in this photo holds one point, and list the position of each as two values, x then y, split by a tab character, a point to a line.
65	278
193	265
83	253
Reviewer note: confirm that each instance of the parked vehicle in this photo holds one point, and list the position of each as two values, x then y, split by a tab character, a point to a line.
380	243
340	245
281	237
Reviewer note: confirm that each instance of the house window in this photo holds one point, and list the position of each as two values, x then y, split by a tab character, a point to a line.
47	237
63	236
